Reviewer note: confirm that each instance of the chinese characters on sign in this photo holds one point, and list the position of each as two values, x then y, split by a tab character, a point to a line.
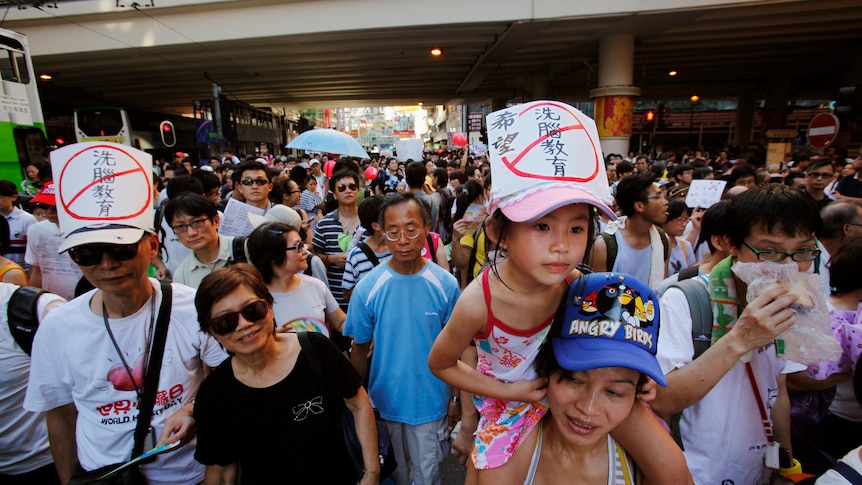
103	178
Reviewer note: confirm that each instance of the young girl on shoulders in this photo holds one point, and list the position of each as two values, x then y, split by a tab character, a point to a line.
543	219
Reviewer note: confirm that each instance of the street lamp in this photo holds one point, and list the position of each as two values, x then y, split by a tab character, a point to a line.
694	99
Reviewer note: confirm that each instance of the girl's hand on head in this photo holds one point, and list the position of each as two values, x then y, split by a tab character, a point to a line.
528	391
648	391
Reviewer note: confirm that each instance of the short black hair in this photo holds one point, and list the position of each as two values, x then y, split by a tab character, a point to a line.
266	247
369	211
253	166
177	168
403	198
208	180
821	162
625	167
341	174
740	171
700	173
182	184
440	176
633	189
192	205
414	175
845	267
772	206
8	188
712	224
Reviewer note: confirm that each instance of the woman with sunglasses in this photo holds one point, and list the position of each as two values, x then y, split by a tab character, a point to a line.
301	302
335	233
269	392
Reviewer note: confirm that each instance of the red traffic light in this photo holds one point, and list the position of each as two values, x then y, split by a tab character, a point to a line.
169	138
650	115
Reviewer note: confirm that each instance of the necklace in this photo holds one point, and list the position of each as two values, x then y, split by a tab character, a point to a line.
146	361
350	224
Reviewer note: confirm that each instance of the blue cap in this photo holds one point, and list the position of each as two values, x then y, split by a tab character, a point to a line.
609	320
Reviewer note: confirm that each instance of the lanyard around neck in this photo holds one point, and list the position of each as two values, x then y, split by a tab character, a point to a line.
146	348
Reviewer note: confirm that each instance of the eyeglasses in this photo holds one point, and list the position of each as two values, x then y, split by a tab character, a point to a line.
91	254
227	322
659	196
820	175
410	233
298	248
289	192
196	224
343	187
774	256
258	182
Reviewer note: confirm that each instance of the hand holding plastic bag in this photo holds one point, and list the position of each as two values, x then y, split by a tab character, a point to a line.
810	340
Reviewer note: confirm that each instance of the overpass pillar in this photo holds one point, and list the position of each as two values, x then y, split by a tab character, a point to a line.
744	120
537	85
615	94
775	110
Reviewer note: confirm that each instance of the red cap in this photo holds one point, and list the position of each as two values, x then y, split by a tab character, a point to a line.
45	196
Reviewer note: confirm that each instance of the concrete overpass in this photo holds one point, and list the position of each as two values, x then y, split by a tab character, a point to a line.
332	53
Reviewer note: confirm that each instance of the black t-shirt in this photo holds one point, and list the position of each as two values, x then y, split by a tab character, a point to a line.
850	186
286	433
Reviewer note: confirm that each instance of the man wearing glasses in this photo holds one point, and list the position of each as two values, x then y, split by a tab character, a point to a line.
194	219
89	356
400	307
254	184
729	432
819	174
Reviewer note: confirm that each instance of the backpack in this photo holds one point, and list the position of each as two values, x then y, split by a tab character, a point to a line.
611	243
21	314
239	253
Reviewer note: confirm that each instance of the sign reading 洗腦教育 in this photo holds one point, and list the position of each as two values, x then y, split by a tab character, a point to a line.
102	183
409	150
544	142
704	193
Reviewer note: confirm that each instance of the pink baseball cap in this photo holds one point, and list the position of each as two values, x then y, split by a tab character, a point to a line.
542	199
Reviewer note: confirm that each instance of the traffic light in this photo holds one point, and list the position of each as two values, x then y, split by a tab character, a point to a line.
649	120
660	112
848	103
166	130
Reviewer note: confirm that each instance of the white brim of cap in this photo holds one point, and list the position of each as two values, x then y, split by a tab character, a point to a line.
112	235
541	202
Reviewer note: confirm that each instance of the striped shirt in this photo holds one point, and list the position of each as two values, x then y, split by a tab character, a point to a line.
325	241
358	265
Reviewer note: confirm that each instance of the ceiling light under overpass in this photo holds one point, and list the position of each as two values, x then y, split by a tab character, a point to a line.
46	77
436	52
672	73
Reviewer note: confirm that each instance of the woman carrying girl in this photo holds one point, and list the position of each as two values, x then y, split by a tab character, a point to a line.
543	218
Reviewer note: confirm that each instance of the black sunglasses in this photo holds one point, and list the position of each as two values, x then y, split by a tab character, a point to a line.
343	187
91	254
227	323
258	182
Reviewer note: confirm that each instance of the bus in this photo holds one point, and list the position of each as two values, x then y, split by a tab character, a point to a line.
22	127
103	124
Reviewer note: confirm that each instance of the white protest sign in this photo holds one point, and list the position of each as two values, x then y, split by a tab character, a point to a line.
101	183
704	193
409	150
543	142
235	221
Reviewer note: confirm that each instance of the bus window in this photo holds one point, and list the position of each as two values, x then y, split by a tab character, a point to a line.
30	143
108	122
13	67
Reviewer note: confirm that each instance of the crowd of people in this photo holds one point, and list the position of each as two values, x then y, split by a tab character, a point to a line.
432	299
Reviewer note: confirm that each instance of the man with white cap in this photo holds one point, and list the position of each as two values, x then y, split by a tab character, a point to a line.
89	356
50	270
322	179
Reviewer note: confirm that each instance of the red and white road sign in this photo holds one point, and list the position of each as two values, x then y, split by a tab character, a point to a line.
822	130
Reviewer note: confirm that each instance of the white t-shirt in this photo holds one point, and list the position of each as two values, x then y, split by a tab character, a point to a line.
74	361
722	433
19	223
60	274
306	306
23	434
832	477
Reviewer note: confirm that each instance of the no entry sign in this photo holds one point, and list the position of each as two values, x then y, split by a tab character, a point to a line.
822	130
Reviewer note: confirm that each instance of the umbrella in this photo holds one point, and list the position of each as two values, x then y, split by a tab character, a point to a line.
328	140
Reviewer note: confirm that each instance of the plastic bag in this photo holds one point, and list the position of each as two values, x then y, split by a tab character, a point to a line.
810	340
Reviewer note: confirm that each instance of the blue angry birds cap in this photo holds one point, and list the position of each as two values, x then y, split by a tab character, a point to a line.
609	320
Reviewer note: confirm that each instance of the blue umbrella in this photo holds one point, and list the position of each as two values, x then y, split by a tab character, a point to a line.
328	140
